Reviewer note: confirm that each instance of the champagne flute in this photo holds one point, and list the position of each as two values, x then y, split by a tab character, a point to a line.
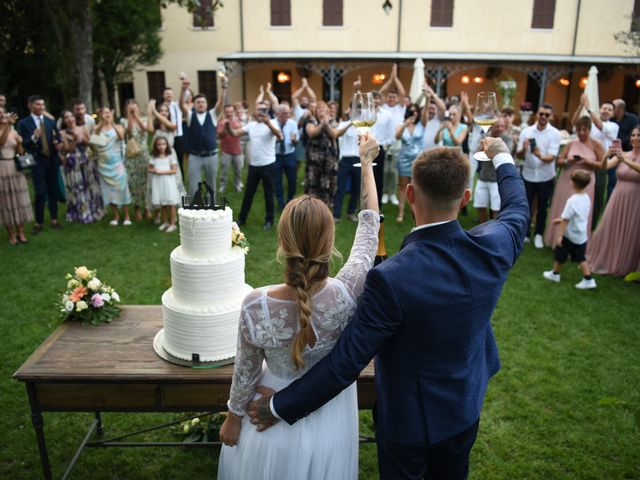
363	113
485	115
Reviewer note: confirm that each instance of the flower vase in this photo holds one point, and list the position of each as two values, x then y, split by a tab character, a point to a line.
524	118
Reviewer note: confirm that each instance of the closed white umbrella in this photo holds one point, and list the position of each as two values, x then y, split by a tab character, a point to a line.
591	91
417	81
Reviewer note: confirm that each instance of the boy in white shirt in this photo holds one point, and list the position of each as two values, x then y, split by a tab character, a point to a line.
573	232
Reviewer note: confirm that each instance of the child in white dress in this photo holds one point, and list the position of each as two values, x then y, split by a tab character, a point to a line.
164	189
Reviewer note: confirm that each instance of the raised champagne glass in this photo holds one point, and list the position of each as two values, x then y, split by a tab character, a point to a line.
485	115
363	113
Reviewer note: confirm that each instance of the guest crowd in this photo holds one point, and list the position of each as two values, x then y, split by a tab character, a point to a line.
583	189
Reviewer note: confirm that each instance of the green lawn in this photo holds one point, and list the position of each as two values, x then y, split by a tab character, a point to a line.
561	407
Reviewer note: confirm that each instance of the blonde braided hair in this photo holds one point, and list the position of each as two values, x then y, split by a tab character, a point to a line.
306	243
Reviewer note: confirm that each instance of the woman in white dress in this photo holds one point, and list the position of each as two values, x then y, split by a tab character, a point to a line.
292	326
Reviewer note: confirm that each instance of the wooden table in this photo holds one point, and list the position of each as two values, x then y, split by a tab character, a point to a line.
113	368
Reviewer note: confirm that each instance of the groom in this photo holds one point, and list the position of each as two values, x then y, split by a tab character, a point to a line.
425	316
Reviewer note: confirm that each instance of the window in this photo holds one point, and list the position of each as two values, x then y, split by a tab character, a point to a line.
441	13
280	13
156	84
207	86
203	14
543	13
332	13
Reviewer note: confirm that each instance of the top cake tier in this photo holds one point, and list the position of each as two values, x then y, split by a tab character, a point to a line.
205	233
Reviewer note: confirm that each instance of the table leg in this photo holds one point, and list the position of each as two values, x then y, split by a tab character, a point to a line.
38	425
100	426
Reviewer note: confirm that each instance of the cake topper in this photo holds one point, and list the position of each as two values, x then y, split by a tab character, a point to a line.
203	199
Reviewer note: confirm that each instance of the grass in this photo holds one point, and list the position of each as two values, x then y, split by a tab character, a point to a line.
562	406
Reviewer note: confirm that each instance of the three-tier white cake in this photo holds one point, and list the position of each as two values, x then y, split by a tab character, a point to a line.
201	309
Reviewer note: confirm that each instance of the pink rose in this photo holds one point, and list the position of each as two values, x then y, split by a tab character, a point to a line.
96	300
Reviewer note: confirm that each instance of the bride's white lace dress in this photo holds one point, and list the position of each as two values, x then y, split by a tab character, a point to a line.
323	445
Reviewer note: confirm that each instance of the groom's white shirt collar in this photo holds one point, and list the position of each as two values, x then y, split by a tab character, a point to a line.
427	225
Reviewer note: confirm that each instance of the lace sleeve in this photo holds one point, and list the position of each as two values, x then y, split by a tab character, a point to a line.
363	253
246	371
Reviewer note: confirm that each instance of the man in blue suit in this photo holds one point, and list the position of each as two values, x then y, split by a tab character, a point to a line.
41	138
425	315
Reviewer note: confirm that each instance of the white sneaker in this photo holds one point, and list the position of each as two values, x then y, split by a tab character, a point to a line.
551	275
537	241
163	227
113	223
394	199
385	198
527	240
586	284
127	223
171	228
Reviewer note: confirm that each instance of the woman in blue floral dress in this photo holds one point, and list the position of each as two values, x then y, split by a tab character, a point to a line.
84	198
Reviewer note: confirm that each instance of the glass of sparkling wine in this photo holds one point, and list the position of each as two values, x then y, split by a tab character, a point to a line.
485	115
363	113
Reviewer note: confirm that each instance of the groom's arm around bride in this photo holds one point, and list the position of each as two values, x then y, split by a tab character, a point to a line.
425	314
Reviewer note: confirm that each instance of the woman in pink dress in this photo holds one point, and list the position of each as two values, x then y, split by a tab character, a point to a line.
614	248
584	153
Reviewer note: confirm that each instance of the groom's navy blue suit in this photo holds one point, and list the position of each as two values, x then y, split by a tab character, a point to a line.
425	314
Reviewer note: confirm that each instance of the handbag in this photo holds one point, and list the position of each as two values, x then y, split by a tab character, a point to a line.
98	140
25	162
133	149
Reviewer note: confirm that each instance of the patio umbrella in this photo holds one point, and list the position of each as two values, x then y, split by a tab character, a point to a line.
417	81
591	90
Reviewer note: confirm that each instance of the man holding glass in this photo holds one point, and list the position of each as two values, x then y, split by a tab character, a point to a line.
539	144
425	316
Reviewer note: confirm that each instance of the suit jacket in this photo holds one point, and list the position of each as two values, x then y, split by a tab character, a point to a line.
425	313
27	126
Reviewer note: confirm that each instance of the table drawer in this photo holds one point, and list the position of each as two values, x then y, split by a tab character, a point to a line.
208	396
96	396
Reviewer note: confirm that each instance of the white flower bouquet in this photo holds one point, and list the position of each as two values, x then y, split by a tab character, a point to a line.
87	299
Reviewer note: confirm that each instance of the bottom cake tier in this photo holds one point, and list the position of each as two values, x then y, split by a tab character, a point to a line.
209	332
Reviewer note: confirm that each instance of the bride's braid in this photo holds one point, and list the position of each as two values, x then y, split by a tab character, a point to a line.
306	234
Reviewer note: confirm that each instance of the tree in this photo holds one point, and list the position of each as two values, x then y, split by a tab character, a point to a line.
56	47
119	46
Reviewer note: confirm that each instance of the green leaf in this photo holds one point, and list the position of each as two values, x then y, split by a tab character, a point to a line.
611	401
632	277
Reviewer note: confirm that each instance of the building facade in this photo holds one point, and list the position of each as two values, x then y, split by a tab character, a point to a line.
545	46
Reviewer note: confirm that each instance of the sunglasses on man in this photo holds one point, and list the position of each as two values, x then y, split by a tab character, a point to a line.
544	114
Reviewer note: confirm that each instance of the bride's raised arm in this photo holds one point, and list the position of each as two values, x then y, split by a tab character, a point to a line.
365	244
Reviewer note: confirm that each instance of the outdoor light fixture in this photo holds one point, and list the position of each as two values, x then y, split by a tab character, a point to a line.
465	79
478	80
583	82
378	78
638	83
564	81
283	77
386	6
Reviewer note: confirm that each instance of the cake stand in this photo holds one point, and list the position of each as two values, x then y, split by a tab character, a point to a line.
158	347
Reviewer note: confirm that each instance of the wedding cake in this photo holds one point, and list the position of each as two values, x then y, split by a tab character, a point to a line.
201	309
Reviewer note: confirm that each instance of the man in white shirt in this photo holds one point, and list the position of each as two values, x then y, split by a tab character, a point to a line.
392	149
539	144
349	156
285	155
176	117
263	134
435	113
383	130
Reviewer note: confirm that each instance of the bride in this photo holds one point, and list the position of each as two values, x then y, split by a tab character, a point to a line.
291	326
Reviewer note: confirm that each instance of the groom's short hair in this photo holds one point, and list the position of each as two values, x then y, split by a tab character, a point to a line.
441	174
